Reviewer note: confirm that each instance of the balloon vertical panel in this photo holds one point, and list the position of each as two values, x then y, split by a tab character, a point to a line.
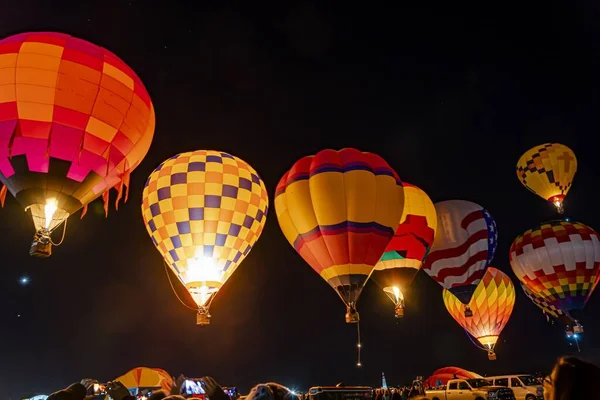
339	210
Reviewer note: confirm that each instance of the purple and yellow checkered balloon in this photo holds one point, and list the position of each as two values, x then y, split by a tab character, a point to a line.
204	210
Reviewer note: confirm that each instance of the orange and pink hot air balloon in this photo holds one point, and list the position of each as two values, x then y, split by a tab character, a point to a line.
75	121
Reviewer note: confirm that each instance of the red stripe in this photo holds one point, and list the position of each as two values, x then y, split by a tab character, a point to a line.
470	218
456	251
462	270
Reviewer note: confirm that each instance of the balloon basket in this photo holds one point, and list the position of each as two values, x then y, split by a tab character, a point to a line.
491	356
468	313
41	246
569	331
203	317
352	316
399	311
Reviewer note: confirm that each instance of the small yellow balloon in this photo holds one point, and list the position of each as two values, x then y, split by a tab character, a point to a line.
548	171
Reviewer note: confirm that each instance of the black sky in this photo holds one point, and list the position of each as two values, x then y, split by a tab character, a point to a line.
449	94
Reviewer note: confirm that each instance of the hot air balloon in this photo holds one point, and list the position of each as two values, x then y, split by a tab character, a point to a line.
549	309
492	304
443	375
142	379
204	211
464	246
409	247
548	171
75	121
559	261
339	210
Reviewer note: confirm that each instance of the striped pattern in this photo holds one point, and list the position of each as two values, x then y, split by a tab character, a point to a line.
339	210
464	246
75	120
492	305
558	261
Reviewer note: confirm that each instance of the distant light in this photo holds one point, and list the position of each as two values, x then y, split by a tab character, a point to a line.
24	280
359	345
293	393
575	335
567	219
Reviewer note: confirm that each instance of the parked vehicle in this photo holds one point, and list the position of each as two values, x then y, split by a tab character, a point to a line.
471	389
525	387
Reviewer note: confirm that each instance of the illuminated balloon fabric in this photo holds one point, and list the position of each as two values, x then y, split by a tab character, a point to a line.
74	122
464	246
339	210
443	375
548	171
204	210
411	242
547	308
143	377
559	261
492	304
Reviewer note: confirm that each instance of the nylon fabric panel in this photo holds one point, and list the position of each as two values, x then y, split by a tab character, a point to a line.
334	202
548	170
542	303
558	261
492	305
411	242
204	211
465	244
65	99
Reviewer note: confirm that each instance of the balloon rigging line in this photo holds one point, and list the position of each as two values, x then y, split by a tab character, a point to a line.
62	239
173	287
472	341
359	344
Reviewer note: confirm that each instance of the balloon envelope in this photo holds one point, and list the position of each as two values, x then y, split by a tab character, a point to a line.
443	375
548	171
75	120
558	261
410	245
464	246
492	305
339	210
204	211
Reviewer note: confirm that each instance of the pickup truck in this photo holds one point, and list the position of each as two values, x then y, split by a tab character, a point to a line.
471	389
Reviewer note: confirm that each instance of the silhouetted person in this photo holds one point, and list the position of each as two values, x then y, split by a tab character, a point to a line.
572	379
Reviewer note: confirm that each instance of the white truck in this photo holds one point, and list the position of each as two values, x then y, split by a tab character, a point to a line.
525	387
470	389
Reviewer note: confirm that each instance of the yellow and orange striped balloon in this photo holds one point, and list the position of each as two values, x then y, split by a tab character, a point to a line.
492	304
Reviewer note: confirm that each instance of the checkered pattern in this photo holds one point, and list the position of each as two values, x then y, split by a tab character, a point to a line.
492	305
558	261
64	98
548	170
204	204
547	307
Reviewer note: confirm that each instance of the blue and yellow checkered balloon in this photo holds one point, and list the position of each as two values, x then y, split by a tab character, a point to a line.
204	210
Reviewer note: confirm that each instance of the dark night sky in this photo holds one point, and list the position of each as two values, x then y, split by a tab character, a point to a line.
449	95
